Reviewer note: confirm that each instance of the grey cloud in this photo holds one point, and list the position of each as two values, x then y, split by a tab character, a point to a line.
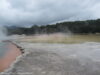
28	12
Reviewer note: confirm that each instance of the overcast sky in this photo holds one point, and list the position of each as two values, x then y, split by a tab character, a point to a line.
29	12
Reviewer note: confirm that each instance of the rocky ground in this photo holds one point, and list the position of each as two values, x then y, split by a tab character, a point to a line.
57	59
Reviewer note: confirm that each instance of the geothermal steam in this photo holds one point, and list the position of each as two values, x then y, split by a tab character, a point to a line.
3	33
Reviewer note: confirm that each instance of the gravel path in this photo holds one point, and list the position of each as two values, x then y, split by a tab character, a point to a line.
58	59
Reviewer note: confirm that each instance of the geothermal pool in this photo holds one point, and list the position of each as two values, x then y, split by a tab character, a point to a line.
8	53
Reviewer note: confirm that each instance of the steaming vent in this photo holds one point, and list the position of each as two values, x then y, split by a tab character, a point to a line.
3	33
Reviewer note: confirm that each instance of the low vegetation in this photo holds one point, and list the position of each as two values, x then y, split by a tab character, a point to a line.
61	38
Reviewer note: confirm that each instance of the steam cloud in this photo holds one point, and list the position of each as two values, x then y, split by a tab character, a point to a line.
3	33
29	12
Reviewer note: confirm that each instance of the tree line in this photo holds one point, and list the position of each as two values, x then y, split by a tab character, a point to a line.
76	27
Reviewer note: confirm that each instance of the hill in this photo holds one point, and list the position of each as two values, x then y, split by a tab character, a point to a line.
76	27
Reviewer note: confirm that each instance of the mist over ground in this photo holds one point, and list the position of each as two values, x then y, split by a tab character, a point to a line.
3	33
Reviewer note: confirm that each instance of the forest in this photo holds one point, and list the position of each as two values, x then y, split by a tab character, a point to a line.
76	27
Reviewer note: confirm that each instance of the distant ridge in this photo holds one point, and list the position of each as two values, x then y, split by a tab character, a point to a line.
76	27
